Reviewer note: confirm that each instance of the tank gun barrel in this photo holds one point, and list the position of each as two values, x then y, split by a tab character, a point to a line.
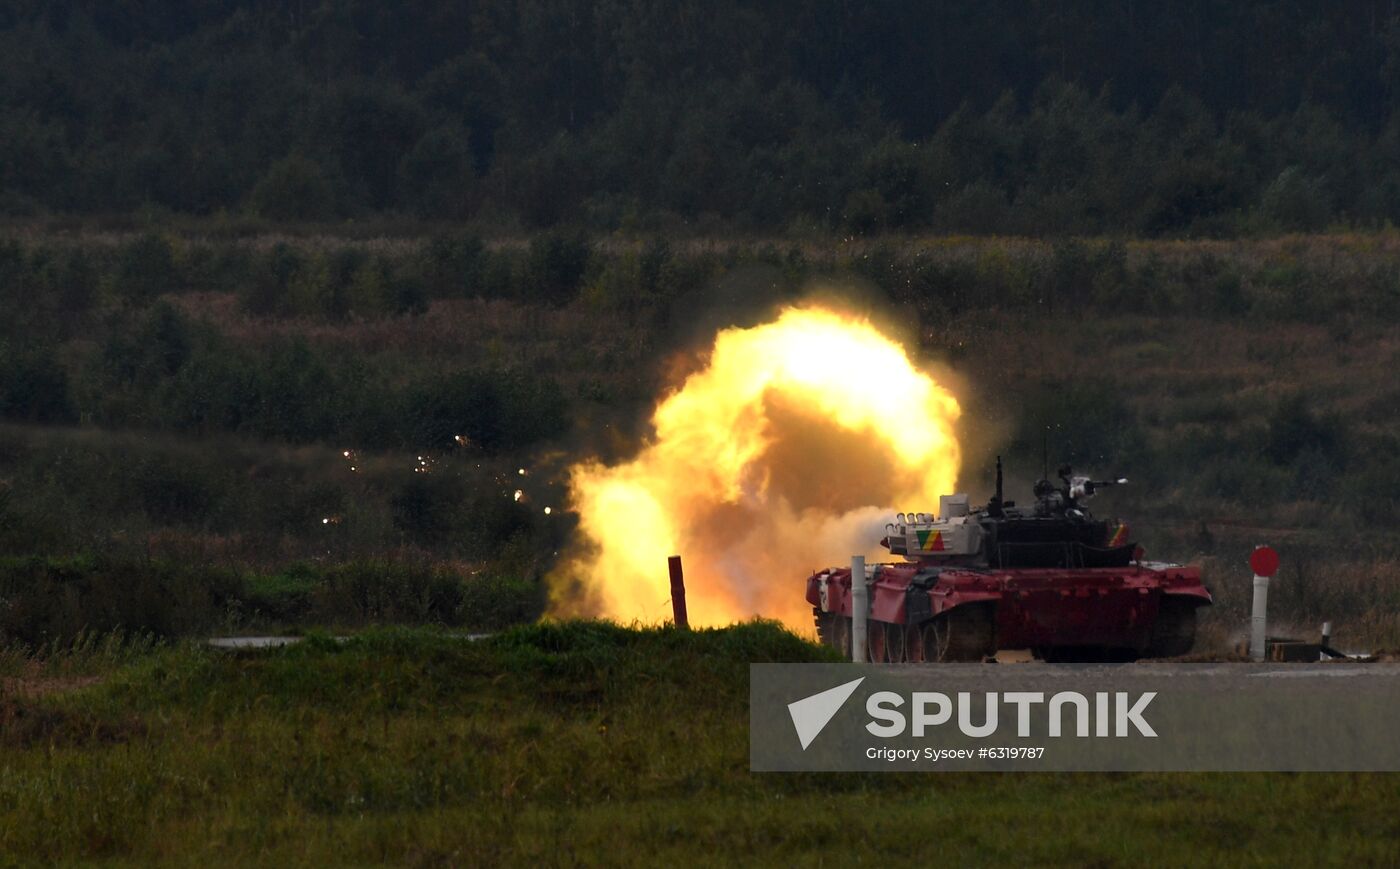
1083	487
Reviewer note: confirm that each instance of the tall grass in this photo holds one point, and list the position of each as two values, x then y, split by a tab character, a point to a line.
570	743
76	608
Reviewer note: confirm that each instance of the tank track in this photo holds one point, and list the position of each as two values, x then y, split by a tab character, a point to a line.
966	633
1174	632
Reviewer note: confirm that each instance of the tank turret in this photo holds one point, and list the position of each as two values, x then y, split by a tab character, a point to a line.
1056	530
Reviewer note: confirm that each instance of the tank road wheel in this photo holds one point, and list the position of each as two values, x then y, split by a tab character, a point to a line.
1174	632
843	636
826	633
895	645
914	644
934	639
875	644
965	633
834	631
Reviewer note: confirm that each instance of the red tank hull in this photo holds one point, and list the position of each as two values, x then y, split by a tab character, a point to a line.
920	613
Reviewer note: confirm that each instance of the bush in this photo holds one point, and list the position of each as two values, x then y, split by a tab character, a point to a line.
1295	201
297	396
557	265
491	520
269	292
215	391
1086	423
338	270
377	592
34	388
172	491
67	278
1294	429
282	598
435	176
53	601
453	265
406	291
1374	494
294	188
428	508
492	602
145	268
493	410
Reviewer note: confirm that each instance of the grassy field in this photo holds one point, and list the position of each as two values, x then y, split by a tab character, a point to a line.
563	744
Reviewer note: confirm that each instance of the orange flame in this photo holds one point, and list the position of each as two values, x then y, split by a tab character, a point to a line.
788	452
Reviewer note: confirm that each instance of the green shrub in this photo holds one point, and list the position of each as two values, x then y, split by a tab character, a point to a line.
282	598
269	292
381	592
172	491
1297	201
494	602
34	387
557	265
53	601
407	291
294	188
145	268
492	522
297	396
68	277
435	176
453	265
493	410
370	293
1294	429
1084	422
428	507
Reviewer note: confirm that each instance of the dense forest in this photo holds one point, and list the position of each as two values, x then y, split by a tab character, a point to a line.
1040	117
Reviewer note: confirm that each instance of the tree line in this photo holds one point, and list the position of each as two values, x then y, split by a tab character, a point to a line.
1049	116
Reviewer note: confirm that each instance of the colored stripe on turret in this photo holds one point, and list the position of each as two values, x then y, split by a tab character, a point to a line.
930	541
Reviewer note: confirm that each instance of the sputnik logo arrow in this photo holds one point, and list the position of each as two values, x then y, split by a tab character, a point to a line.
810	715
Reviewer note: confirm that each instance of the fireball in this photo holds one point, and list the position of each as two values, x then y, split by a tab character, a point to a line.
788	451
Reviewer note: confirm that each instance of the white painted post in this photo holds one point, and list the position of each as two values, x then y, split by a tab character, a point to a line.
859	607
1258	624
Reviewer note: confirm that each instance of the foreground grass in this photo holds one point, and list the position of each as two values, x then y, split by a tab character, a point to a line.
575	743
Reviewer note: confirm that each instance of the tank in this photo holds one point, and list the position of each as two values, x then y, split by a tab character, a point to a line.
1048	577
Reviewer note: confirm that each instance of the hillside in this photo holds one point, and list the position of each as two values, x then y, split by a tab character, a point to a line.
287	412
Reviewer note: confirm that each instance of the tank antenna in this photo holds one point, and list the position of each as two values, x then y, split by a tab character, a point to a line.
1045	453
996	499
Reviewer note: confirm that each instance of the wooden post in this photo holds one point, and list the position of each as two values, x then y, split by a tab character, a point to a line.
678	592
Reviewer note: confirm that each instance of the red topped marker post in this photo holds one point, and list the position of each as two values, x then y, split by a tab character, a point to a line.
1264	562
